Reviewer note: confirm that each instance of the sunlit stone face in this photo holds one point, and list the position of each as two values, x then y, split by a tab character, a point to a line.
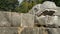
47	14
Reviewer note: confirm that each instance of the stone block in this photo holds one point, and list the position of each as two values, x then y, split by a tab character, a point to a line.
10	19
53	30
58	21
4	21
27	20
15	19
8	30
33	31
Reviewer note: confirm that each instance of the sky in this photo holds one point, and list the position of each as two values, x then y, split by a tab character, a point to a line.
20	1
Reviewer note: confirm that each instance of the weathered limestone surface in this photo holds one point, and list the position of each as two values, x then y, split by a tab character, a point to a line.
58	21
45	20
8	30
48	5
40	31
19	23
29	31
27	20
53	30
10	19
33	31
3	20
35	9
16	19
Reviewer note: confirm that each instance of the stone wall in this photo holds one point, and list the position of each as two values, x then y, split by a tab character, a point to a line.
23	23
15	23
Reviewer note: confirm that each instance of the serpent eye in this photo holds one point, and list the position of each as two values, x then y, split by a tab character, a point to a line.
45	12
50	13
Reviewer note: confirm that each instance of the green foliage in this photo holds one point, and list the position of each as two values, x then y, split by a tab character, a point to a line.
25	6
8	4
39	1
57	2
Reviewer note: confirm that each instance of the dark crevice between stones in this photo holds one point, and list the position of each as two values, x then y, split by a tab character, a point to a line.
58	26
47	26
38	25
